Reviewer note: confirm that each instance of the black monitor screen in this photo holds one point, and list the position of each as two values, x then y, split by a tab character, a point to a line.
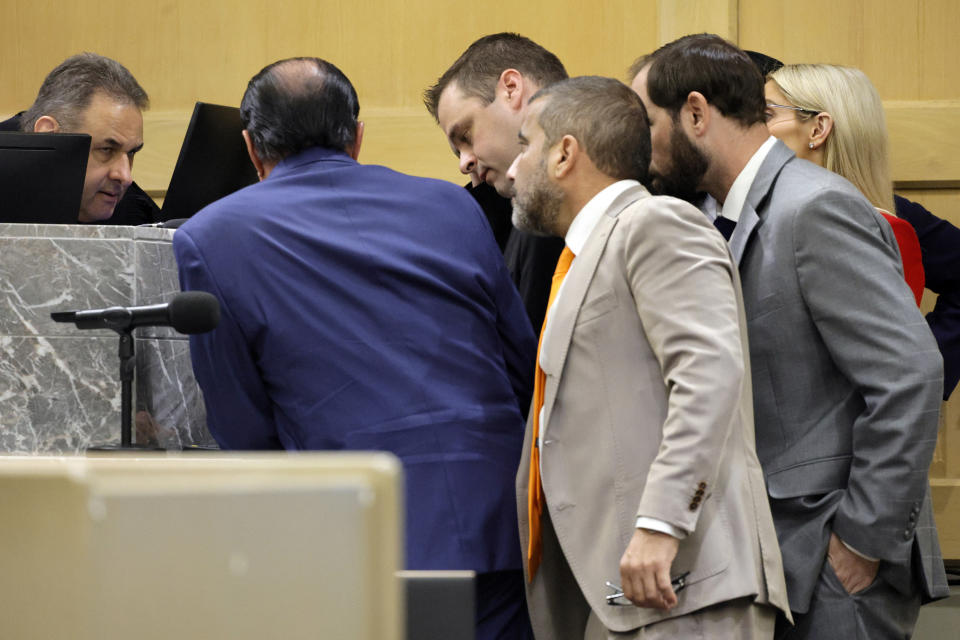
41	176
213	162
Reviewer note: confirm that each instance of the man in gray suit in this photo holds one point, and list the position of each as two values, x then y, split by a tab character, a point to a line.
846	375
639	465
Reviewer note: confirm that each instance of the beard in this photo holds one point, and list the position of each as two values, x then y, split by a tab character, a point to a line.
687	168
537	205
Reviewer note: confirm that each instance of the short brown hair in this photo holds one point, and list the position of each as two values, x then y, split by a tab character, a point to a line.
605	116
66	92
723	73
478	69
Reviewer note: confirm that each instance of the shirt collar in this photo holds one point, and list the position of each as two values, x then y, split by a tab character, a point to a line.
588	217
741	186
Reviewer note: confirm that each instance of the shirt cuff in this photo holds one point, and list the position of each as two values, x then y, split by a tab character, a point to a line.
654	524
854	551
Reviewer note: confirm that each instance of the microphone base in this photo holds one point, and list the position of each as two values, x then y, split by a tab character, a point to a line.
128	447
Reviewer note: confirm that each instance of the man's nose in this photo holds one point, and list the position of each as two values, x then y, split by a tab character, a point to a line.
468	162
122	169
512	171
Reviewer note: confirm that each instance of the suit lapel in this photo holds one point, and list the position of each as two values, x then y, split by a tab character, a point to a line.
756	197
563	316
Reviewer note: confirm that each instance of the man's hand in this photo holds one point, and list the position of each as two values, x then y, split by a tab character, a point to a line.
855	573
645	569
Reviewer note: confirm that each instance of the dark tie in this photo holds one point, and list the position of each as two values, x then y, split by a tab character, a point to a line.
725	226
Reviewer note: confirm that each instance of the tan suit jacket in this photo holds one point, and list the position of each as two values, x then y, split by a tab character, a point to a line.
647	402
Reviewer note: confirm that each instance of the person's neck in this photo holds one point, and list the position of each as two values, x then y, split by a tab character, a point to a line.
731	158
576	199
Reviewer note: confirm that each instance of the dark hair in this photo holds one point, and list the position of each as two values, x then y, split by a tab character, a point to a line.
605	116
67	90
765	64
299	103
707	63
478	69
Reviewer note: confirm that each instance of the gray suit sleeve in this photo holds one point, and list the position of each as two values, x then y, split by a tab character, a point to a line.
846	263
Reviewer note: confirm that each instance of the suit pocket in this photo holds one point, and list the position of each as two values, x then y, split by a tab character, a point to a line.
707	551
597	306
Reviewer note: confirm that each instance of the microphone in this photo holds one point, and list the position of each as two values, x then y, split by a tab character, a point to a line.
189	312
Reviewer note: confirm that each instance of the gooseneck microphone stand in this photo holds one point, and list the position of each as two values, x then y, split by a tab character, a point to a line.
120	320
189	312
127	365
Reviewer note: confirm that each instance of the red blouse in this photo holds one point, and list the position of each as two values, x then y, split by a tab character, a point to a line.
909	253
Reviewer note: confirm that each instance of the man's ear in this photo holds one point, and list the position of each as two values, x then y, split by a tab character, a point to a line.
822	126
565	155
46	124
510	87
698	112
262	171
354	151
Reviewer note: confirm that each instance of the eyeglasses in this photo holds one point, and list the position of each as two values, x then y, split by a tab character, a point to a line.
616	599
769	114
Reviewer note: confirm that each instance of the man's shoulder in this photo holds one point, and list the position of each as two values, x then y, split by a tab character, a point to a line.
805	181
656	211
415	184
234	207
247	207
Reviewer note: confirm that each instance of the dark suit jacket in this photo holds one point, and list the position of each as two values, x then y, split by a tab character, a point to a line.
531	259
366	309
135	207
940	250
846	377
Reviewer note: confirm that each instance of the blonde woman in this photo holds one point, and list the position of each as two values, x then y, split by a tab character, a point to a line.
832	116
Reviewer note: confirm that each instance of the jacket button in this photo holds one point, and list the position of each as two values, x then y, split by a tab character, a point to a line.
907	534
702	486
693	506
699	492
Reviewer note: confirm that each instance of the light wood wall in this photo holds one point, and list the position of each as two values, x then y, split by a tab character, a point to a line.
188	50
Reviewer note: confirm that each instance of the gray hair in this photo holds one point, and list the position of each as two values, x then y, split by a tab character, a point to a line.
66	92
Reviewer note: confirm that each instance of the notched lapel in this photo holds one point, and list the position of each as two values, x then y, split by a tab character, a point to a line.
742	232
563	317
756	197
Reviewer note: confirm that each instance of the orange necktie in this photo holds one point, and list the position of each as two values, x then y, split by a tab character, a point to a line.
535	499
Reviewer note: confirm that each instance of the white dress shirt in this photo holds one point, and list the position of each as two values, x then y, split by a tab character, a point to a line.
737	195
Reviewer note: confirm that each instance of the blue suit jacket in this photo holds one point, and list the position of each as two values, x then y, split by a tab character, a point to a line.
366	309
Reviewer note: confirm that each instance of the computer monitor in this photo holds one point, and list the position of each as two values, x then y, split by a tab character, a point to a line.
41	176
213	162
203	545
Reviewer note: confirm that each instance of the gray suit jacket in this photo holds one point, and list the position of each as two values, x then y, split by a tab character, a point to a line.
846	377
648	411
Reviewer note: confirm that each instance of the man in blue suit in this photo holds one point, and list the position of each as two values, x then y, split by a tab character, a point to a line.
366	309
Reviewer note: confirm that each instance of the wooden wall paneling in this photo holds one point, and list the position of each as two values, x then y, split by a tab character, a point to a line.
907	47
921	151
678	18
813	31
183	51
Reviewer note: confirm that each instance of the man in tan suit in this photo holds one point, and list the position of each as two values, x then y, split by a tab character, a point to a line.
642	412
